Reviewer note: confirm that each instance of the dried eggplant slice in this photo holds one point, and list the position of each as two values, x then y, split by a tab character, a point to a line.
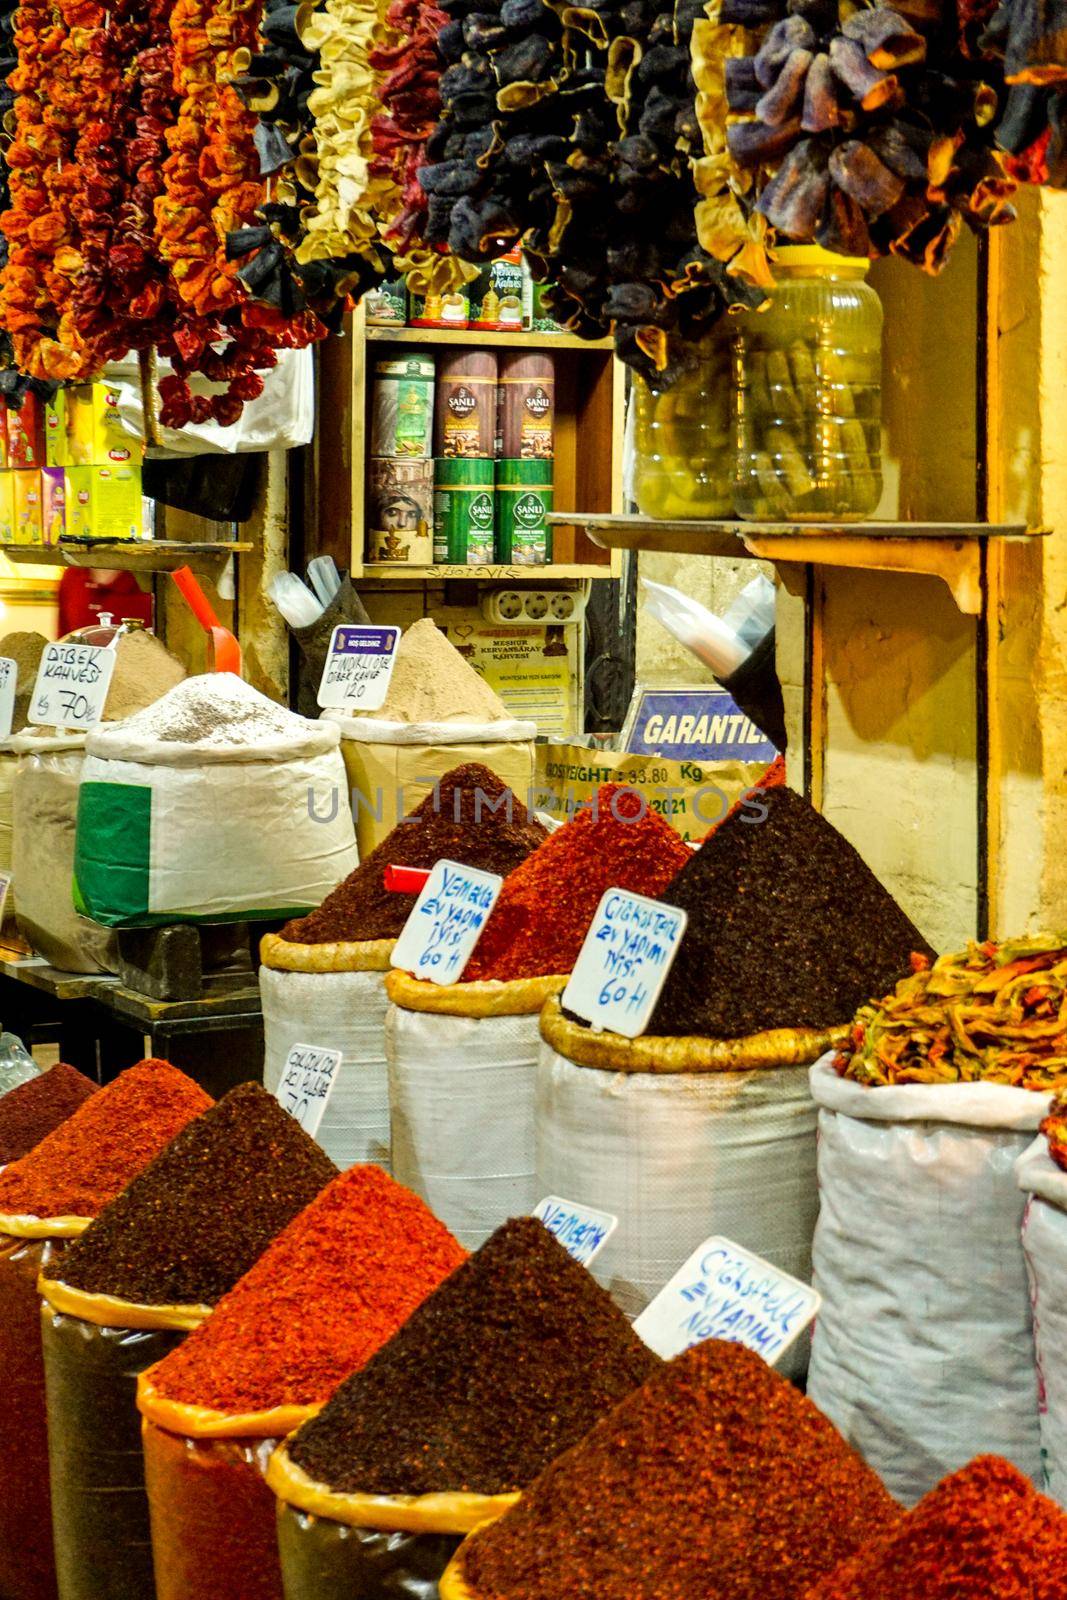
856	169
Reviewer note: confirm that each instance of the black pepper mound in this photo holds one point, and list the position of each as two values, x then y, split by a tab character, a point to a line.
201	1214
35	1109
509	1362
788	928
470	817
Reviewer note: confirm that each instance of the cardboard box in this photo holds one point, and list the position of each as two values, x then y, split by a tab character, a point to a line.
56	453
7	508
53	504
29	521
25	435
95	435
104	502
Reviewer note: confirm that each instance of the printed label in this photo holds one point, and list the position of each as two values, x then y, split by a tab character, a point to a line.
446	922
624	962
480	512
9	673
359	665
538	403
582	1231
726	1292
529	510
461	402
72	684
307	1083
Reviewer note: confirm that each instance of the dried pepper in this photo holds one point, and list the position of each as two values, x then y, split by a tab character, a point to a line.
36	1108
992	1013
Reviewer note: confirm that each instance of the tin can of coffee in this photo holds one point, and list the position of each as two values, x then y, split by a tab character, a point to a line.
402	408
523	502
463	512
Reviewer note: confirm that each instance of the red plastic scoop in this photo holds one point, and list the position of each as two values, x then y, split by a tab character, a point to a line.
405	880
225	651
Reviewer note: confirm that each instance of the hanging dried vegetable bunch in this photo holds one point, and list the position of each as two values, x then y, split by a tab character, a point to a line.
865	129
13	383
1029	43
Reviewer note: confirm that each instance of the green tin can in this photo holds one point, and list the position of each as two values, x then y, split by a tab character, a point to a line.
463	511
523	501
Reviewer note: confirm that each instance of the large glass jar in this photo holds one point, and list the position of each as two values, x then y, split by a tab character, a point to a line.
683	438
808	374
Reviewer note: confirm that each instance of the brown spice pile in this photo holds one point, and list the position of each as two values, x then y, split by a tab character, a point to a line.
34	1109
457	821
509	1362
717	1479
432	682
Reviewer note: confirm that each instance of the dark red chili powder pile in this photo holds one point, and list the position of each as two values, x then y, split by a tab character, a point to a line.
202	1213
89	1159
321	1299
35	1108
471	817
509	1362
546	905
788	927
716	1479
983	1534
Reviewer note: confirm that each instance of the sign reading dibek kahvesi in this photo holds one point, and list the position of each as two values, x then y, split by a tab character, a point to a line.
9	673
624	962
726	1292
72	684
581	1230
446	922
307	1082
359	665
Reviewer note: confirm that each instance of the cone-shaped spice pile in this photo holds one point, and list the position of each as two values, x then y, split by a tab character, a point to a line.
204	1211
543	914
321	1299
89	1159
983	1534
32	1110
788	928
470	817
716	1479
509	1362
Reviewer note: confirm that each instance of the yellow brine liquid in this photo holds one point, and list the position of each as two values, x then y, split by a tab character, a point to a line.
683	444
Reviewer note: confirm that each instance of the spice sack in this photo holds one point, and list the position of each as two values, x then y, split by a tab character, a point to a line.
214	804
923	1352
1044	1235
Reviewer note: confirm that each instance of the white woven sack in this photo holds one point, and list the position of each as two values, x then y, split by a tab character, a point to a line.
1045	1248
923	1353
8	763
678	1157
461	1094
343	1011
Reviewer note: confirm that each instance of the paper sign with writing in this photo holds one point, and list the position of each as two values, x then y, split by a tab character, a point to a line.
582	1231
307	1083
9	673
359	665
72	684
446	922
726	1292
624	962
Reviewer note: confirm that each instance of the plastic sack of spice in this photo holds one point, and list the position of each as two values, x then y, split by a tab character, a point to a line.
182	806
919	1260
1044	1236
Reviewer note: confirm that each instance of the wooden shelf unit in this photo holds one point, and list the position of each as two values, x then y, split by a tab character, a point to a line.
590	405
144	555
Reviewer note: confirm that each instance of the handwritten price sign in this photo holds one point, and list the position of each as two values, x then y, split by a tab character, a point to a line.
624	962
9	673
72	684
582	1231
446	922
307	1083
358	668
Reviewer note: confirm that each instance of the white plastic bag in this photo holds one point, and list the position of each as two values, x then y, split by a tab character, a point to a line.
281	418
677	1157
343	1011
461	1097
1045	1248
923	1353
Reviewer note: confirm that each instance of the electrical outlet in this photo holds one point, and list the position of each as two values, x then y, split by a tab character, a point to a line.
536	607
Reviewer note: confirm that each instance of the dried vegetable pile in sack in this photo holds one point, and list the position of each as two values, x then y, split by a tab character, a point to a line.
150	1268
32	1110
331	1289
983	1534
1054	1128
49	1196
508	1363
717	1477
866	130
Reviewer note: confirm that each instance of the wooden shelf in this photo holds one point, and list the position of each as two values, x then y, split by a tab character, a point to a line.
569	571
143	555
485	338
950	551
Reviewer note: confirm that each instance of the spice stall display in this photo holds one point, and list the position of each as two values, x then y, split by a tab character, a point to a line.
438	713
982	1532
918	1252
181	806
507	1364
331	964
331	1289
463	1057
47	1198
150	1268
1041	1173
706	1125
35	1108
765	1497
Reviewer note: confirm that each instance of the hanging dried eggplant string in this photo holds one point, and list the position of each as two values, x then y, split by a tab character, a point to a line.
867	131
1030	45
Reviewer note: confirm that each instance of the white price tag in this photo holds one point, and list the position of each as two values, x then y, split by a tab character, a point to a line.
359	665
9	673
72	684
446	922
726	1292
624	962
582	1231
307	1082
5	885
